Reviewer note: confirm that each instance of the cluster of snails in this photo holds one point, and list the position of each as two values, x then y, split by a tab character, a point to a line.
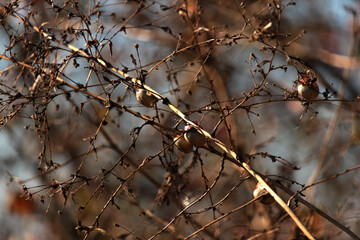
190	137
186	139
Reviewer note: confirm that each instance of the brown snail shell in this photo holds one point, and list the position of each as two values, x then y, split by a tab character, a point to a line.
309	92
145	97
182	144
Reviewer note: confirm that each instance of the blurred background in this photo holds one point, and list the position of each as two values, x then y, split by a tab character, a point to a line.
72	167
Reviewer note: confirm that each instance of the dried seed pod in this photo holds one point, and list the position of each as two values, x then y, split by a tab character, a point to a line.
145	97
260	191
195	138
182	144
308	87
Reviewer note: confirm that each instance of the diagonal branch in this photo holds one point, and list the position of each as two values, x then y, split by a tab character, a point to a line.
182	116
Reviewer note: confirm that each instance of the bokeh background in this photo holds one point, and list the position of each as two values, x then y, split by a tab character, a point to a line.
64	154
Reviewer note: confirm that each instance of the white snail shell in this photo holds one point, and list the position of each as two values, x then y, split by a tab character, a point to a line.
260	190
